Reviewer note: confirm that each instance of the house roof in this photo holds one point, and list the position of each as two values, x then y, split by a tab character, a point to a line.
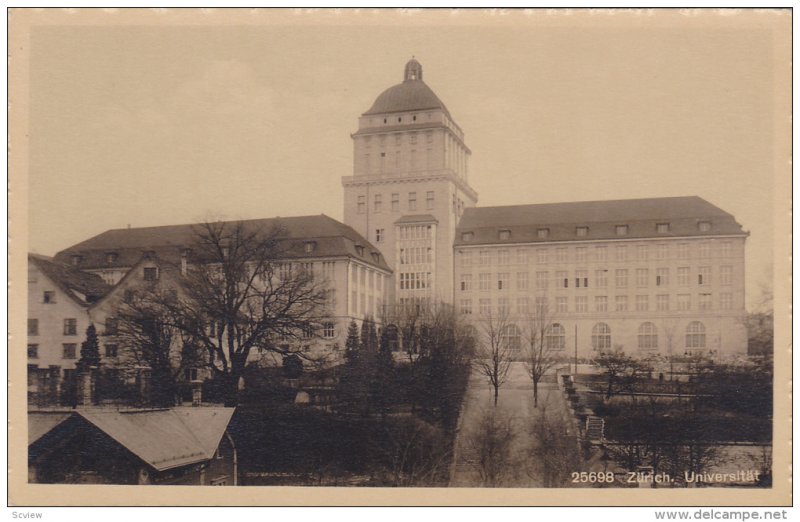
331	238
41	423
164	439
683	214
83	287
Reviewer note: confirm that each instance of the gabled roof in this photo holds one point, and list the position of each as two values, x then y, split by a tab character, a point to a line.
331	238
164	439
683	214
41	423
82	287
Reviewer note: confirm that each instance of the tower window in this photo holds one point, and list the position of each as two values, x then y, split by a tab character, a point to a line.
379	235
412	201
362	204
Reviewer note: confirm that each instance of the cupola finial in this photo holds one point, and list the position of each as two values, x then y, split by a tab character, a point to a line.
413	70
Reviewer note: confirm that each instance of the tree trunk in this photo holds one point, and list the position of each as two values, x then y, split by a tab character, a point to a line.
231	391
536	393
496	392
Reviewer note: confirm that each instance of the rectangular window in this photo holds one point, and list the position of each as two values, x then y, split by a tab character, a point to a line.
484	257
522	256
70	327
412	201
601	303
503	280
621	230
683	251
429	200
503	257
541	305
484	306
522	306
112	325
379	235
111	350
725	249
541	280
580	254
662	302
541	256
581	304
725	274
466	282
621	277
621	253
362	204
704	275
704	250
562	281
642	275
378	203
704	303
601	278
561	255
69	350
561	305
33	327
466	306
683	276
581	279
466	258
150	273
662	276
49	297
684	302
484	279
726	301
662	251
522	281
601	253
395	202
328	330
642	252
621	302
33	351
642	303
503	306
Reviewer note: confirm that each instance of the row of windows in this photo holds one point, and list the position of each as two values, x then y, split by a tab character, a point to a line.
580	279
70	326
601	303
647	337
581	254
583	231
416	255
415	280
378	207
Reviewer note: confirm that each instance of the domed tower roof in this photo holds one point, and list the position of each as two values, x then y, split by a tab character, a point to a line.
411	95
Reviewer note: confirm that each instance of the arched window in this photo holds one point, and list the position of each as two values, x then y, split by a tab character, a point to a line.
510	337
554	337
601	337
648	337
695	336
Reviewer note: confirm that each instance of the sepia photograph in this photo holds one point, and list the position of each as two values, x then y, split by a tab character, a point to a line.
400	257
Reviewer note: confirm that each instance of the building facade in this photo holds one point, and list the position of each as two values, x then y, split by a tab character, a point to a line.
663	275
410	186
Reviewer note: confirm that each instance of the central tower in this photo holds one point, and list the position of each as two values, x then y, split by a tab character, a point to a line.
410	186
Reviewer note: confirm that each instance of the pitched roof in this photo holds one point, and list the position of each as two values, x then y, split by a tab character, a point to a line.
601	217
41	423
164	439
332	239
81	286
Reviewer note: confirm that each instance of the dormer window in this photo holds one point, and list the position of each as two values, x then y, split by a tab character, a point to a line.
76	260
543	233
376	257
662	228
150	273
467	236
581	231
310	246
504	235
621	230
360	250
111	257
704	226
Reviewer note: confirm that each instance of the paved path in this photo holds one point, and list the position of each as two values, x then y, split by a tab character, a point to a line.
516	400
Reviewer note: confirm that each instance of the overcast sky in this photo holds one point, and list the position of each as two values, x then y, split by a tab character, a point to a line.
164	125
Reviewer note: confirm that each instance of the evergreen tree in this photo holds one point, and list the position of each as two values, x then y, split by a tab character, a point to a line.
90	349
351	345
383	378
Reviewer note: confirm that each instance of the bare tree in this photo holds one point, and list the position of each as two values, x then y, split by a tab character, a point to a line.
494	354
540	354
490	443
240	293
